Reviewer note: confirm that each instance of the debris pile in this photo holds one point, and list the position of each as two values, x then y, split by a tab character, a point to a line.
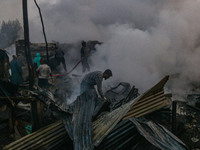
91	123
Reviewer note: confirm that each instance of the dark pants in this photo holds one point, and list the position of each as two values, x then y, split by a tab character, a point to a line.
85	65
43	83
61	60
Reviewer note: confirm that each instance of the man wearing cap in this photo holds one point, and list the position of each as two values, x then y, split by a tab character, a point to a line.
95	78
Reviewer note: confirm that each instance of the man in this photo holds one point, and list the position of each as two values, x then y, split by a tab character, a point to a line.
4	63
85	107
84	57
95	78
43	74
59	55
16	71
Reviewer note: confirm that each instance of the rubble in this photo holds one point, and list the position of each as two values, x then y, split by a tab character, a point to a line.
42	119
115	123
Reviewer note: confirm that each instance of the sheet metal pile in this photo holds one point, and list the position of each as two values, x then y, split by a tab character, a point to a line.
91	123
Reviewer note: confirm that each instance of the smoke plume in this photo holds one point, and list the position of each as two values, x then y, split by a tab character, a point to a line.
143	40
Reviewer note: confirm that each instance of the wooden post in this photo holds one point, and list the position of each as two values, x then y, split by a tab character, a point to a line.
40	110
11	124
35	117
174	103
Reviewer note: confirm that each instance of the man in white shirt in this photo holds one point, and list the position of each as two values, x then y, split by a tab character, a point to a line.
43	74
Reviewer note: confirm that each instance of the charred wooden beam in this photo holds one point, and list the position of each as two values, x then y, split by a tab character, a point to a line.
27	99
174	103
11	124
35	117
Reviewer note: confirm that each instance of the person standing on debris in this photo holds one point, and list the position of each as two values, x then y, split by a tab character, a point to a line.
37	60
4	65
16	71
59	55
43	74
95	78
84	57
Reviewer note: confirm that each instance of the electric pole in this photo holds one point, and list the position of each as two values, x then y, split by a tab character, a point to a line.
27	44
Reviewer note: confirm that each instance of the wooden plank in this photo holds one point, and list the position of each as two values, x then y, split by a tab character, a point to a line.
29	99
35	117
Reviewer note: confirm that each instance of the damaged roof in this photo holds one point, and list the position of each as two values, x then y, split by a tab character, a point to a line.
103	125
140	134
119	128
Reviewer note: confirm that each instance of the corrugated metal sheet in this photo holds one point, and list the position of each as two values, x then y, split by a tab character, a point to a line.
147	105
134	134
121	134
49	136
81	125
118	96
84	107
158	135
103	125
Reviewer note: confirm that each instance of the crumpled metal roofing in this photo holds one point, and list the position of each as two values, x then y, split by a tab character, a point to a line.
106	123
140	134
103	125
48	137
158	135
84	107
121	94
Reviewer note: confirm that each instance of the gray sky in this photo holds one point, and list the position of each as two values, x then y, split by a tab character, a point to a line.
144	40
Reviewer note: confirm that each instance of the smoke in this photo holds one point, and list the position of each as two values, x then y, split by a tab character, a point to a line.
168	45
10	10
143	40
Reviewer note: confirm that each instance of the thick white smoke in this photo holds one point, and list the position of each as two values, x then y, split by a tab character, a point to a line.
10	10
143	40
